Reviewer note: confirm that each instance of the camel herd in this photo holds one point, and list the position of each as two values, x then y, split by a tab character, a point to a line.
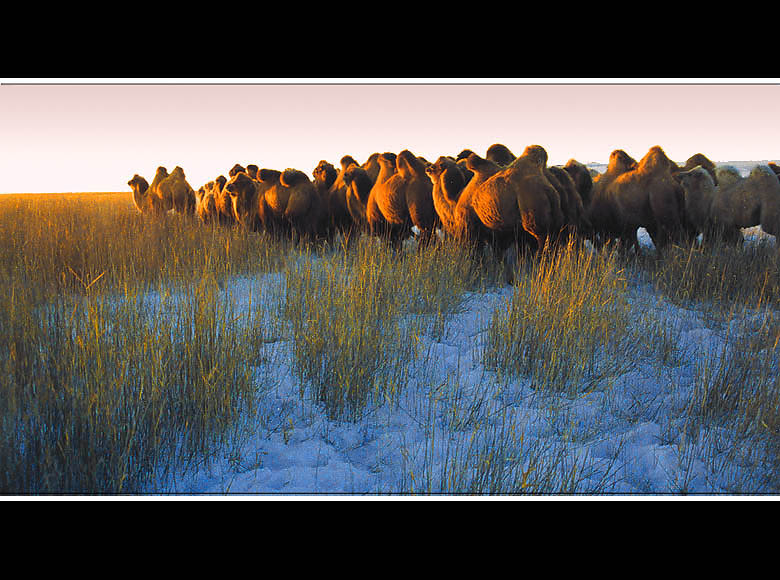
500	199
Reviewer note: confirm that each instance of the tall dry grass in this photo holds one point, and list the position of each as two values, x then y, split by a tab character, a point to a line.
121	357
567	326
356	316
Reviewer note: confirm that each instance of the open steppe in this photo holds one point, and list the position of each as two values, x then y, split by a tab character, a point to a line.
161	356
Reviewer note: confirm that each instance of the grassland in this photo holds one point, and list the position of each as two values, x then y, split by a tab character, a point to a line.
127	355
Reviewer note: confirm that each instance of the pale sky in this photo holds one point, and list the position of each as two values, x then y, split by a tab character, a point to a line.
95	135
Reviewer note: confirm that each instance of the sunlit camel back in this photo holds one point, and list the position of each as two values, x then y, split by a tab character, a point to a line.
330	185
165	193
143	200
399	199
601	210
283	203
646	196
502	206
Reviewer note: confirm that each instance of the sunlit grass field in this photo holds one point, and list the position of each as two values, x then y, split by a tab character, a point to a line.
125	355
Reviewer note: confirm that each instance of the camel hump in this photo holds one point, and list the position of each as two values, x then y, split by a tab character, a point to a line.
293	177
268	175
409	163
479	164
656	159
500	153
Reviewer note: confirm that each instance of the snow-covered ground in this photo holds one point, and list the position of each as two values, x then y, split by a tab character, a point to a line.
626	439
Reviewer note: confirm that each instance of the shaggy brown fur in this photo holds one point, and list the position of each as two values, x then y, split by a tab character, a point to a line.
571	202
568	198
699	191
372	167
583	180
500	154
205	203
518	200
648	196
690	221
358	185
176	192
144	202
601	211
464	154
449	180
501	206
222	200
237	168
247	200
401	198
696	160
330	185
727	175
750	201
291	204
166	192
162	204
251	170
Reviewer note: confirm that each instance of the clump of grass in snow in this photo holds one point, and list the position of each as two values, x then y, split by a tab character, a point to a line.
103	385
737	389
101	393
719	275
353	341
568	325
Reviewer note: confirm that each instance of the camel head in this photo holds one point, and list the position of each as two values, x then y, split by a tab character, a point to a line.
236	169
346	161
138	184
698	179
324	174
241	190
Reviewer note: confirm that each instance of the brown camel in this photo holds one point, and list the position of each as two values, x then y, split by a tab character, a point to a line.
727	175
747	202
601	211
696	160
176	192
333	190
166	192
143	200
401	199
500	154
222	200
237	168
247	200
205	203
583	180
287	203
515	205
647	196
699	191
